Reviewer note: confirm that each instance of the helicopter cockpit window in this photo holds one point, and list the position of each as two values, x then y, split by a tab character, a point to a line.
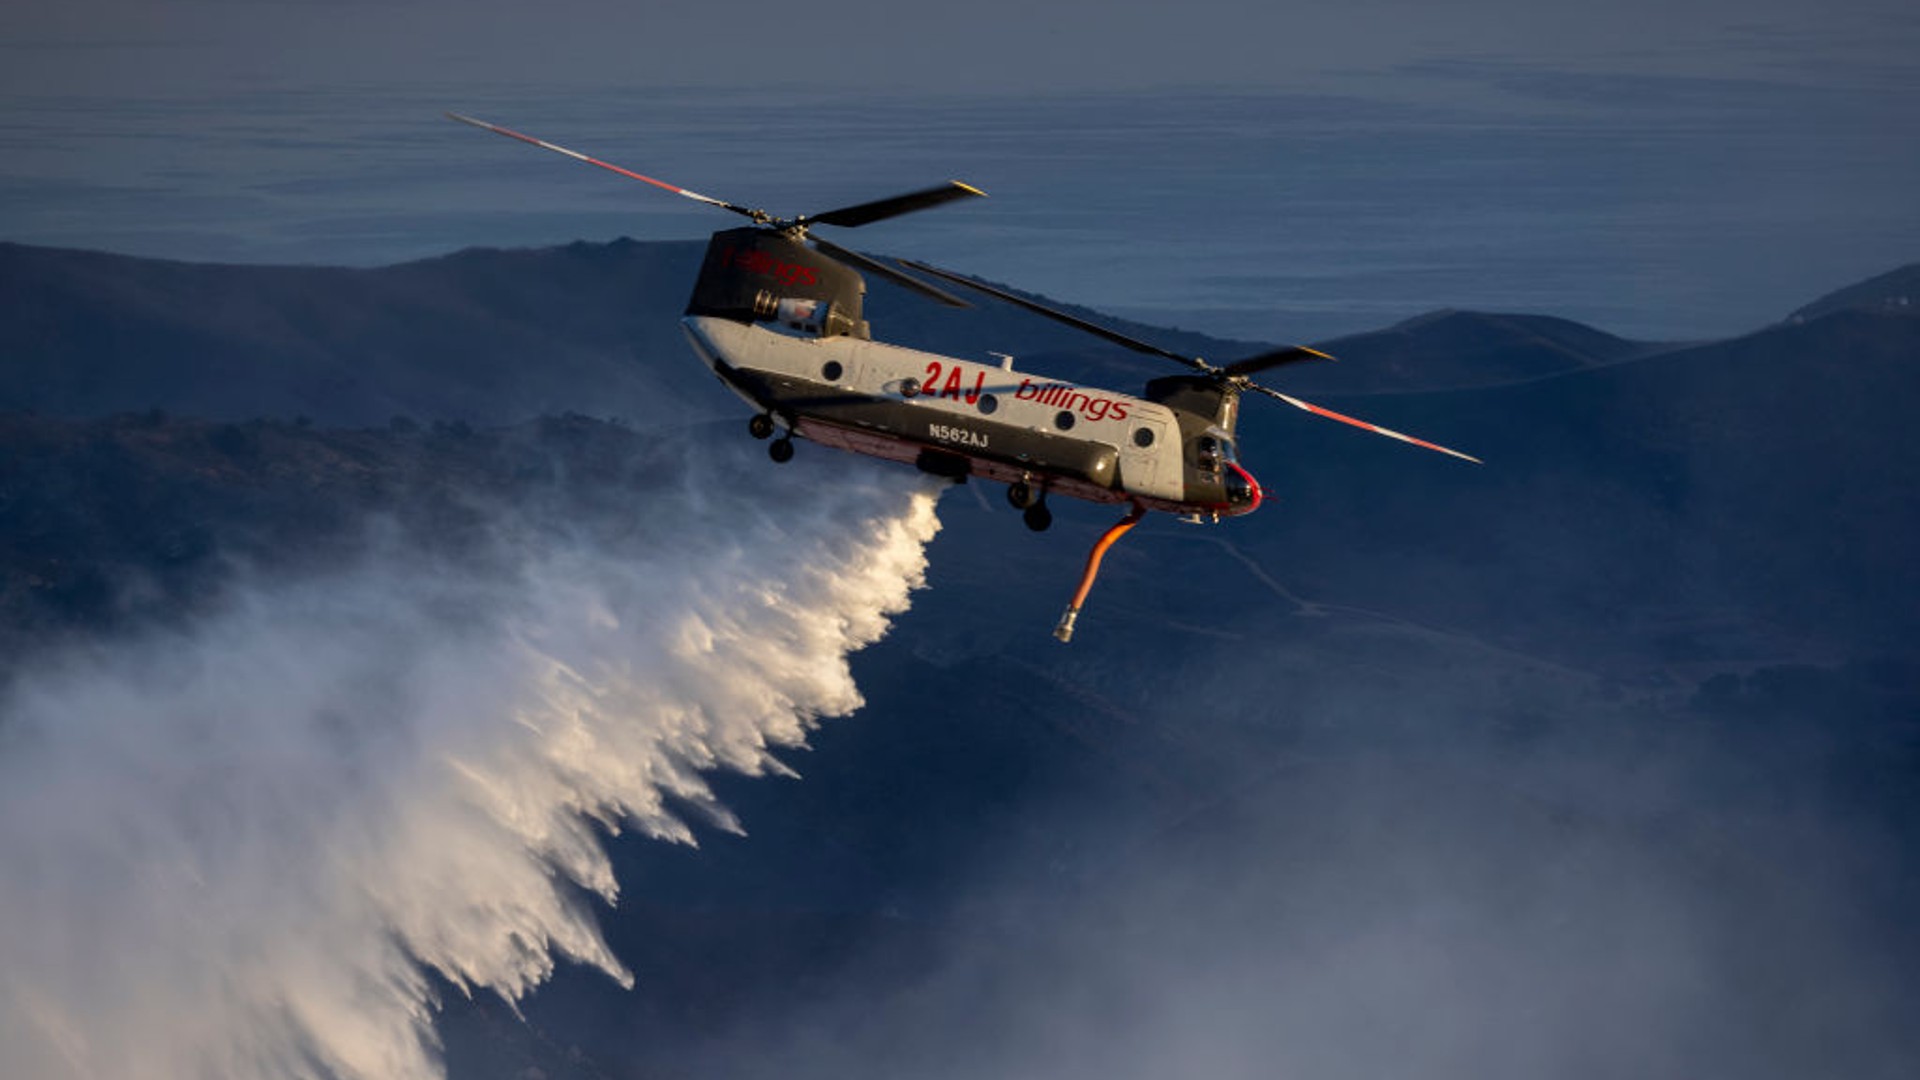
1211	449
1206	452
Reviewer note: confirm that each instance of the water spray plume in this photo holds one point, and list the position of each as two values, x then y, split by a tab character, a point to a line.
239	851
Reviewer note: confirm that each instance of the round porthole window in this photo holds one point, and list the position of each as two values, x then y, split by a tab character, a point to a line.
988	403
1143	436
1063	419
832	371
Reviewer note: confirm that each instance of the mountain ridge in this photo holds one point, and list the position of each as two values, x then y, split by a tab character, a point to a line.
496	335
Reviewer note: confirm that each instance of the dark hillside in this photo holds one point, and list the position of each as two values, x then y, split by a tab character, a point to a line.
139	520
484	336
1761	488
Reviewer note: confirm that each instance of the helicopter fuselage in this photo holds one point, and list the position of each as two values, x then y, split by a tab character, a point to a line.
958	418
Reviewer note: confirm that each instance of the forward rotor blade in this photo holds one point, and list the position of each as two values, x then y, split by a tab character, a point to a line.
578	156
1074	321
1273	358
1362	424
906	281
867	213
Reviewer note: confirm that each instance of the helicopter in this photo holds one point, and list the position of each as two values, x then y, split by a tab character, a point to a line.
777	314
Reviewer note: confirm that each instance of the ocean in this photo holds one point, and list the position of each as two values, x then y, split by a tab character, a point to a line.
1665	209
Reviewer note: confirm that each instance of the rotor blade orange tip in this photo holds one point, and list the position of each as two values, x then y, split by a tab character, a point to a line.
1319	410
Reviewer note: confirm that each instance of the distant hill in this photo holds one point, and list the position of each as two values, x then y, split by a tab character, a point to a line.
1896	292
1447	350
492	337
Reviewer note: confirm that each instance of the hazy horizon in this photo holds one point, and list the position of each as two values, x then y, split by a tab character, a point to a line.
1687	171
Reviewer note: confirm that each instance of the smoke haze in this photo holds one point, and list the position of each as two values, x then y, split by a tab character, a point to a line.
252	847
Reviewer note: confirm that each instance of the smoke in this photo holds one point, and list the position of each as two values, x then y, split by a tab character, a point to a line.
247	848
1395	878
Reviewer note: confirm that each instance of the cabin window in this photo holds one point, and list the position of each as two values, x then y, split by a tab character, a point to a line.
1143	437
832	371
988	403
1063	419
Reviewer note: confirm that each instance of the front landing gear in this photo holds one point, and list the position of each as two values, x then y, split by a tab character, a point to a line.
760	426
1037	517
781	449
1064	631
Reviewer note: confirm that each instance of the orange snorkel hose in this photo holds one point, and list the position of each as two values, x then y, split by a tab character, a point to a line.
1064	631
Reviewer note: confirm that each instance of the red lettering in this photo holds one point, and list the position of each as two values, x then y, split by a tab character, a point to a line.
973	395
933	377
1026	390
759	262
952	389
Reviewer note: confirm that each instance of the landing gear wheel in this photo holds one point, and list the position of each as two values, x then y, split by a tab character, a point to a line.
1038	517
760	426
1022	495
781	449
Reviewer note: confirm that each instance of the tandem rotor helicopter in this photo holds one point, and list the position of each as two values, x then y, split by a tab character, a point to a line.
776	313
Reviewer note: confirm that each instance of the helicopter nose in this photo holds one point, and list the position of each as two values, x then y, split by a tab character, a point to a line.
1243	491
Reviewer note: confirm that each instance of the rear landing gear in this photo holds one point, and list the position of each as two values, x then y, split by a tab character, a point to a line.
760	426
781	449
1037	516
1031	502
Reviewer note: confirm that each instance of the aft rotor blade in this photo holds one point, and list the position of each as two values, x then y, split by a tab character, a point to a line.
1362	424
1074	321
906	281
578	156
880	209
1273	358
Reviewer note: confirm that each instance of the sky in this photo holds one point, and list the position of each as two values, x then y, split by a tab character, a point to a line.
1663	169
141	46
